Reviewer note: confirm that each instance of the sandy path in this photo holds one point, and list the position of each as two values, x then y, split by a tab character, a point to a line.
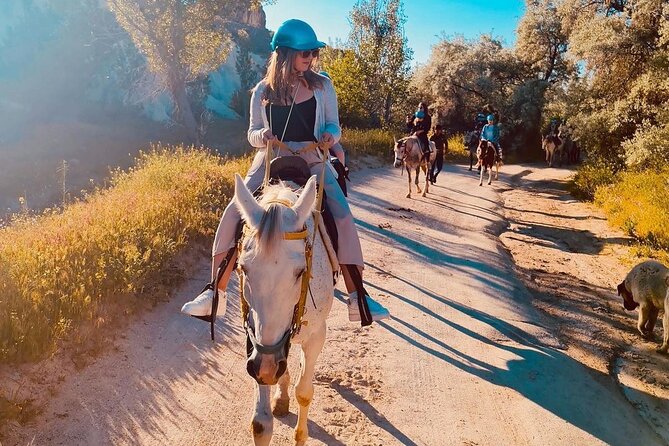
466	360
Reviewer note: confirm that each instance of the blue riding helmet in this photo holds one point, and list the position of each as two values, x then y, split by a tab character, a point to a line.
420	114
297	35
491	118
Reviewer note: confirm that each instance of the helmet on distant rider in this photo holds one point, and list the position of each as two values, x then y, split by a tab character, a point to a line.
297	35
420	114
491	118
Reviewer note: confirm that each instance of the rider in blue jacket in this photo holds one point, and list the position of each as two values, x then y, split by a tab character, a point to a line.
490	133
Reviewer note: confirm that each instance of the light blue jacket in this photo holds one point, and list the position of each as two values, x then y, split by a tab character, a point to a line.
327	113
490	133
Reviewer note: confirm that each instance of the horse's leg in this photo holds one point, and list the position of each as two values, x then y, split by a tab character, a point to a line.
304	390
409	175
490	174
427	169
418	189
481	174
281	400
262	421
497	169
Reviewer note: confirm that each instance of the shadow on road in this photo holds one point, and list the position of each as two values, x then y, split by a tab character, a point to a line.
542	374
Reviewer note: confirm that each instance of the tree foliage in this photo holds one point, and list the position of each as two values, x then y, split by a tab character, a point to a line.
618	106
542	42
182	41
378	41
343	67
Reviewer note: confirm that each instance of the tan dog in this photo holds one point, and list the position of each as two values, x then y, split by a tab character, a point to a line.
646	287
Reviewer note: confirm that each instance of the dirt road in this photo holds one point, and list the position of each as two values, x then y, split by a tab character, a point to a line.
466	360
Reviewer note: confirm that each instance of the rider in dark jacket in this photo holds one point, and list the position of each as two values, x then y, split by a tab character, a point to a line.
422	125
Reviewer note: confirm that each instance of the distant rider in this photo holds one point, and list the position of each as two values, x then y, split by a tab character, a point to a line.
422	125
490	133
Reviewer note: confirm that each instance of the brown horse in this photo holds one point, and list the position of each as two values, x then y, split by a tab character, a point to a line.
553	146
486	155
570	149
408	153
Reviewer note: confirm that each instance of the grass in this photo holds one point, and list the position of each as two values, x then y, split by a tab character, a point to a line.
58	267
375	142
638	203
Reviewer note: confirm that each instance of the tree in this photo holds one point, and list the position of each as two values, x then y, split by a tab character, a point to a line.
542	43
462	76
345	71
377	38
617	107
182	41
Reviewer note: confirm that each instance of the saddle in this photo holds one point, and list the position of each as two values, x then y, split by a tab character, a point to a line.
296	169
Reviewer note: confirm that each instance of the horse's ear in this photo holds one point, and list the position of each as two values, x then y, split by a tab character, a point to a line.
395	139
251	211
306	201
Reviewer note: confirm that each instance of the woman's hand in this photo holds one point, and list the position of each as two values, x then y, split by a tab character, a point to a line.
267	136
327	141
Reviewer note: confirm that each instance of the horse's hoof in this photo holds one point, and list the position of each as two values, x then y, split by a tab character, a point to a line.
423	194
408	195
480	184
280	407
662	349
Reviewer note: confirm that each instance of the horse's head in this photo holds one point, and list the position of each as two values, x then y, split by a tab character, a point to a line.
272	261
548	143
400	150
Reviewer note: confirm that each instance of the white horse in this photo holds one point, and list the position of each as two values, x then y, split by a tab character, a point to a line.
408	153
272	261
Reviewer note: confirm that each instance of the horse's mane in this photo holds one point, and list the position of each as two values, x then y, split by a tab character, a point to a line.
269	232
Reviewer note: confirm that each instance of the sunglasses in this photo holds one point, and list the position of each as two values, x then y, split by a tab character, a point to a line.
313	53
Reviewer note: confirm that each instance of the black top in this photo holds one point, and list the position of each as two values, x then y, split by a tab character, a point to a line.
301	124
440	142
423	124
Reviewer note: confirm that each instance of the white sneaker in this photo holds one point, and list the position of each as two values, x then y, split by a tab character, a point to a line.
377	310
201	305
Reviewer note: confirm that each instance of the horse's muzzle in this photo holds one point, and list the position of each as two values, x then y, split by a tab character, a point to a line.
398	163
266	364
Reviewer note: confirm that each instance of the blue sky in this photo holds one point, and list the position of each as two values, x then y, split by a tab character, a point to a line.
426	19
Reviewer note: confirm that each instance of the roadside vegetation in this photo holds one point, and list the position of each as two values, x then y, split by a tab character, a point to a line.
638	202
57	268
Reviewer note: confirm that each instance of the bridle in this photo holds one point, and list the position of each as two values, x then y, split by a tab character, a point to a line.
403	159
281	348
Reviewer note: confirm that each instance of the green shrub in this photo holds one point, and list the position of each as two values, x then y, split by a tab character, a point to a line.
589	178
457	152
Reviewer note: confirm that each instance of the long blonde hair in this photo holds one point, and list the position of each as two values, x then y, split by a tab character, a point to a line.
280	76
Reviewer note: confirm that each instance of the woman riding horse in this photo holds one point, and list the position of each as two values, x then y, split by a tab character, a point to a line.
296	106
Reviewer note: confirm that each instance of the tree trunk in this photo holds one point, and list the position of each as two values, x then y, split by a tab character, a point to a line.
185	112
386	107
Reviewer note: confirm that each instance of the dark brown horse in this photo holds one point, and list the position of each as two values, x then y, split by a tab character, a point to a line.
486	155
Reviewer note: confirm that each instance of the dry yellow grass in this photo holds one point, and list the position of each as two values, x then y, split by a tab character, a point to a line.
638	202
57	267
